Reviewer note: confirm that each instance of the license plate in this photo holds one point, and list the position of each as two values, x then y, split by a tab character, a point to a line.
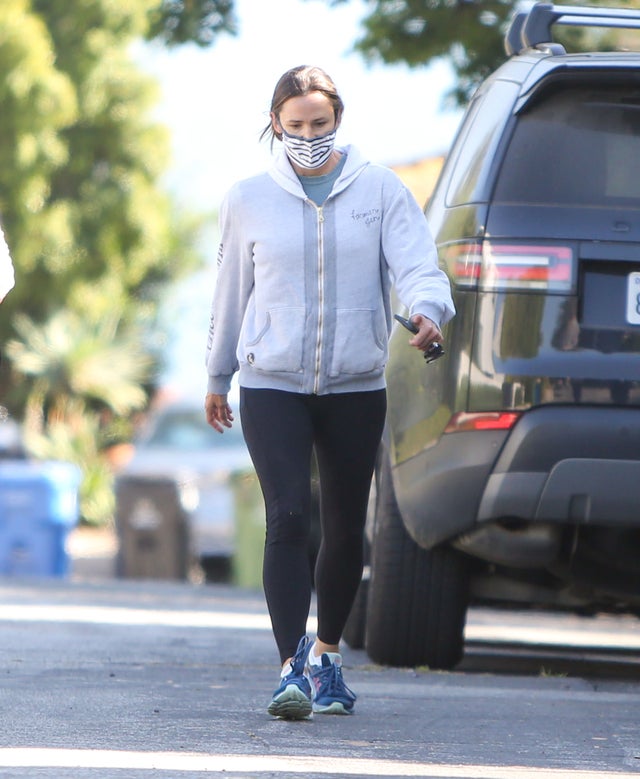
633	298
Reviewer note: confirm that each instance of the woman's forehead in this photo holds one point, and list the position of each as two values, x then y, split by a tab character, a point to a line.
303	106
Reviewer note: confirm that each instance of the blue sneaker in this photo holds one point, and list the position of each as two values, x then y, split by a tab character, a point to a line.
292	699
332	696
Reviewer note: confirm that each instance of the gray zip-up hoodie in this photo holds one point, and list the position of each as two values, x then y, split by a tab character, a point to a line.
302	294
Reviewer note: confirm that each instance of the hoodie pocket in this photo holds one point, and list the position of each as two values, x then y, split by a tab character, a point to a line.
360	344
277	346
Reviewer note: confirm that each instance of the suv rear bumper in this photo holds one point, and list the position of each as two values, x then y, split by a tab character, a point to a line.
559	465
576	490
568	464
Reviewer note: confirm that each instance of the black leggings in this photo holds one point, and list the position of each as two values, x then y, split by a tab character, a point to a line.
281	430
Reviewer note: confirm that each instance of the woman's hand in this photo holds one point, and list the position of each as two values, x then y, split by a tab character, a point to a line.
218	411
428	333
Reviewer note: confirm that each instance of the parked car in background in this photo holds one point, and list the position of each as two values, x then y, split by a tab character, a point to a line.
510	469
181	475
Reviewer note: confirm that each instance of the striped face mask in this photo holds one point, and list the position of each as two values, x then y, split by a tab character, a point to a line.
309	153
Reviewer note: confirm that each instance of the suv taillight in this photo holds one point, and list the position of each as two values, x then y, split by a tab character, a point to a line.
492	266
463	422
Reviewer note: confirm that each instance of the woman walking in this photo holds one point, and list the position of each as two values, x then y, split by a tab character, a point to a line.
301	311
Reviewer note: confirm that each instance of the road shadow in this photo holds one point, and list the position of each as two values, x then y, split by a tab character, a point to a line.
521	659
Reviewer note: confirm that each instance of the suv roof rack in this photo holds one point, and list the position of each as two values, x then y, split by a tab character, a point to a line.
532	29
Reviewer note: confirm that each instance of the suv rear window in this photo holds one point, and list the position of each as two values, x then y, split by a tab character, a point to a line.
474	151
578	146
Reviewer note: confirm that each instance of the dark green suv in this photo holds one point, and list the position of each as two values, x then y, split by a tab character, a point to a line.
510	469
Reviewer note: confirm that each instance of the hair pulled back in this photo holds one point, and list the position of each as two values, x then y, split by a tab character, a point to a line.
297	82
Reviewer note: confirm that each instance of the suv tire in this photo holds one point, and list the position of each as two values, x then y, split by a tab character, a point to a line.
355	629
418	598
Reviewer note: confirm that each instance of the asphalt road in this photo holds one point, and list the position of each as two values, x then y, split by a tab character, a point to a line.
133	680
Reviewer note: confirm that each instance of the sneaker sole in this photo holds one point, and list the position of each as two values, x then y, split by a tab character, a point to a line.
333	708
292	703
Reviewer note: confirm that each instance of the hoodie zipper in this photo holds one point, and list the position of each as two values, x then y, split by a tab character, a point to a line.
318	361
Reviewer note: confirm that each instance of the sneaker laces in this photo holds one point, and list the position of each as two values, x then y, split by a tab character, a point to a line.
299	660
332	683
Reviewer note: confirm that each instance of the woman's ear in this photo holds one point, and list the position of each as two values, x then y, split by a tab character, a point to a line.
275	124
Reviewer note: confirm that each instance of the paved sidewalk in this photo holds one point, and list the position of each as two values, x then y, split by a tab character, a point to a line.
111	679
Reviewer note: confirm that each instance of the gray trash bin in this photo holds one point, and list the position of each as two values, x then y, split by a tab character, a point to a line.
153	528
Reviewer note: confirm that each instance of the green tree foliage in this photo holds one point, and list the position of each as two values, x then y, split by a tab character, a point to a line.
84	380
469	34
198	21
112	226
37	103
94	238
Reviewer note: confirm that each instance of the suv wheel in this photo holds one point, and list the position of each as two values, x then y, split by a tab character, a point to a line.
354	631
418	598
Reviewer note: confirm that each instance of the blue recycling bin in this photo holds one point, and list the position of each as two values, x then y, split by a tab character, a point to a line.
38	509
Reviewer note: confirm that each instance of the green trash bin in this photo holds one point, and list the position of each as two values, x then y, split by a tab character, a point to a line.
250	529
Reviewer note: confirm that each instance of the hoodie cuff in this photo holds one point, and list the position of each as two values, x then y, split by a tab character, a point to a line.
219	385
429	310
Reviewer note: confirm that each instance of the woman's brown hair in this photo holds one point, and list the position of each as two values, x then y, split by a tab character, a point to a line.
298	82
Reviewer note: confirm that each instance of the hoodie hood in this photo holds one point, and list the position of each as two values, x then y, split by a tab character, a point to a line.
285	176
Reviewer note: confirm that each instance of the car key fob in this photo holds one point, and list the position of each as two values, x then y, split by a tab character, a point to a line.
434	351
